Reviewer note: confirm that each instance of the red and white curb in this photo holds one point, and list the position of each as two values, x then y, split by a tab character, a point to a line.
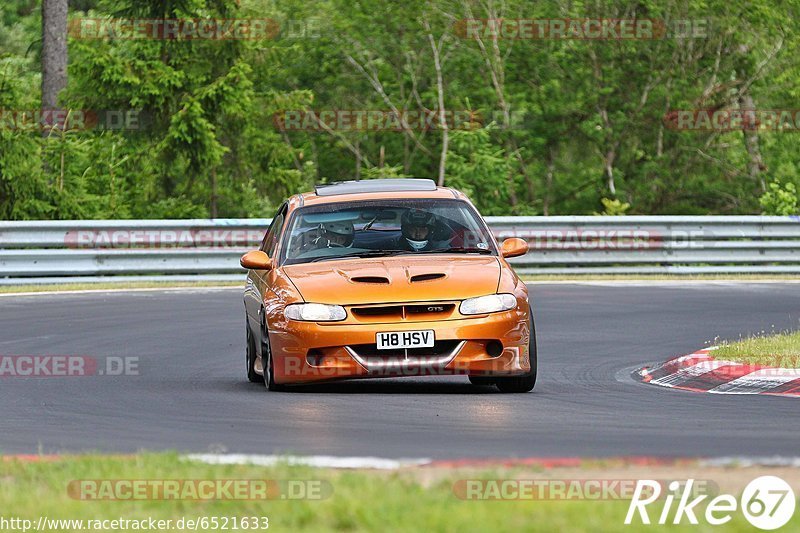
700	372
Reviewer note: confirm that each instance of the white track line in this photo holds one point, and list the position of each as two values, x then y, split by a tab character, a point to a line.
774	461
327	461
123	290
609	283
317	461
664	283
630	283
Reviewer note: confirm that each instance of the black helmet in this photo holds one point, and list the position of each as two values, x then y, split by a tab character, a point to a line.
341	230
417	218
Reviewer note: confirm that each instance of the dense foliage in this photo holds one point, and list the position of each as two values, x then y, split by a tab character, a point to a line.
559	126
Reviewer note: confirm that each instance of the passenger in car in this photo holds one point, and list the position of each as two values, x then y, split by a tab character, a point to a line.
328	235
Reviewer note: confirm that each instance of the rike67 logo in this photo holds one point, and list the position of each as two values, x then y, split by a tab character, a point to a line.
767	502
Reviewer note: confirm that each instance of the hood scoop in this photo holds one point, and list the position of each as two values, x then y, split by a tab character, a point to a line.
370	279
426	277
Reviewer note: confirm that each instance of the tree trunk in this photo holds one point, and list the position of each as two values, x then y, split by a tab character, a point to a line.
214	209
437	64
54	51
357	144
551	167
755	166
512	189
608	163
495	64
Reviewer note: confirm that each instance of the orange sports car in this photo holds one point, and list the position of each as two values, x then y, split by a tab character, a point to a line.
386	278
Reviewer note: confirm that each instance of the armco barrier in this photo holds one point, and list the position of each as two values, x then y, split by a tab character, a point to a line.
56	251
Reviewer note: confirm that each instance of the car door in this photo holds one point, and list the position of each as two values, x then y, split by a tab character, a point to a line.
259	281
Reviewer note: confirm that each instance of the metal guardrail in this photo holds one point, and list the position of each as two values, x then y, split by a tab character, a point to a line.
57	251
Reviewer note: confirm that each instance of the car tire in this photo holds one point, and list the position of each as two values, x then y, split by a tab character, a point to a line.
269	367
525	382
483	381
250	359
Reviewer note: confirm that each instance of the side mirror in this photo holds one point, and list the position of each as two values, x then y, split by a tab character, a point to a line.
256	260
514	247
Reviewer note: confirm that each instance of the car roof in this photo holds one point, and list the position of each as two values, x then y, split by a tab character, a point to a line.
374	189
377	185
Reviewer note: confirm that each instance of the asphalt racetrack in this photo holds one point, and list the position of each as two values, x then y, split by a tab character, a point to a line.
191	393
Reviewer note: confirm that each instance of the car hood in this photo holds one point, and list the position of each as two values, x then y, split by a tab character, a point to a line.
396	279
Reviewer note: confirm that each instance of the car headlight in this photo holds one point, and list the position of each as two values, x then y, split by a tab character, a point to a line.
492	303
315	312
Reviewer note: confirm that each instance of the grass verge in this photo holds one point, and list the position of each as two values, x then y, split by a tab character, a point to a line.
405	500
778	350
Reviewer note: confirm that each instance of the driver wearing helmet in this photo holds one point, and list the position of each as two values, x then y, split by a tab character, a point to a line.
336	235
417	229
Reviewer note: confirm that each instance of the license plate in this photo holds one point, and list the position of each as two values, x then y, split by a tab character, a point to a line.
392	340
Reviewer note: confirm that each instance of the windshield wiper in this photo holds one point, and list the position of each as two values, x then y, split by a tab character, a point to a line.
367	253
457	250
369	224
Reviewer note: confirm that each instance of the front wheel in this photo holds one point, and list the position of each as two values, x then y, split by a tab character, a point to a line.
525	382
269	366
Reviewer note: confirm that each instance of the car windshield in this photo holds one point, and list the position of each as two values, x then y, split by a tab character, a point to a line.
384	228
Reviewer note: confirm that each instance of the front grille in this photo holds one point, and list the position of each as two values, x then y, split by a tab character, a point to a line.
416	312
386	310
371	350
429	308
433	359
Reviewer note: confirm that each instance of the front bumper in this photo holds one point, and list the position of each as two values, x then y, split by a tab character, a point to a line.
306	352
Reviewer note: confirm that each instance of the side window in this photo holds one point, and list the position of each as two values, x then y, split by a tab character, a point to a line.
270	241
